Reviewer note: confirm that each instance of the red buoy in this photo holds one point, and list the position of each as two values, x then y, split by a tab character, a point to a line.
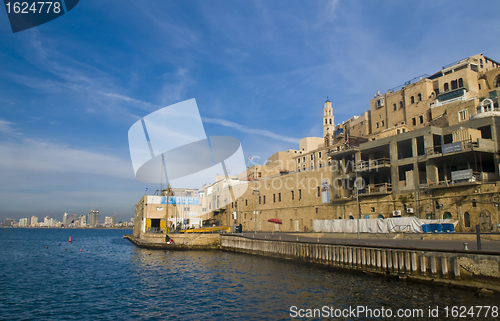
69	239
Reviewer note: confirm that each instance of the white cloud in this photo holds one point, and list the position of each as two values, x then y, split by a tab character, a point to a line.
244	129
6	127
36	156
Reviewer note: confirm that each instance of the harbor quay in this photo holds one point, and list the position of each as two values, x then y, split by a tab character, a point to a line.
408	257
410	261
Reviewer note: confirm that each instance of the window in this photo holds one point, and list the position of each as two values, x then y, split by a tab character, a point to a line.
454	84
460	83
446	88
260	199
412	99
312	156
264	199
399	132
330	121
319	154
479	86
377	125
246	202
293	195
419	97
421	119
326	121
467	219
395	107
319	193
414	121
300	194
400	104
274	198
382	123
380	102
463	115
279	197
317	210
372	209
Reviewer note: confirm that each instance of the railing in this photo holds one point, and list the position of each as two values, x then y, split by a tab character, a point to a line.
374	163
438	149
376	188
476	177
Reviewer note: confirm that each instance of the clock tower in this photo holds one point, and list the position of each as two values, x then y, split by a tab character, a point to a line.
328	122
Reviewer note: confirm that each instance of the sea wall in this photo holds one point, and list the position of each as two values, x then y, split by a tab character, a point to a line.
180	241
460	269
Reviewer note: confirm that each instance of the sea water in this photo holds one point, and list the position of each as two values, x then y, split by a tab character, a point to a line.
101	276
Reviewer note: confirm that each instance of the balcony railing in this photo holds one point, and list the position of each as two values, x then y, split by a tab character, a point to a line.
373	164
438	149
376	189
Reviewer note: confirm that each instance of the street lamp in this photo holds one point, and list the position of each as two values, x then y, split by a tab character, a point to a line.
357	197
256	193
237	209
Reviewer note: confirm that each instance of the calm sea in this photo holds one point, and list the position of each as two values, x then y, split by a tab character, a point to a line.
111	279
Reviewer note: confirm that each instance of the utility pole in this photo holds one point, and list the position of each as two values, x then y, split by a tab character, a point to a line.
256	193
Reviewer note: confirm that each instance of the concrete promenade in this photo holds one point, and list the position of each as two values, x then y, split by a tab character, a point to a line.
440	242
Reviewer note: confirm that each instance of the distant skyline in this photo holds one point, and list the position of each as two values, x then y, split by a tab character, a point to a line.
260	71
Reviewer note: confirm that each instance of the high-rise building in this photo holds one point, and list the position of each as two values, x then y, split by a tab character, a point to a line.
23	222
34	221
9	222
93	218
65	219
83	220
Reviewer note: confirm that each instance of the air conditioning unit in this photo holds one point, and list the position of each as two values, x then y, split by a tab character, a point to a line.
396	213
409	210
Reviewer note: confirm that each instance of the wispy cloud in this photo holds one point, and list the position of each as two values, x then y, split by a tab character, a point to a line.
248	130
31	155
7	128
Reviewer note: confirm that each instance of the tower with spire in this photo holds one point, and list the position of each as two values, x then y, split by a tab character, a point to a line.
328	122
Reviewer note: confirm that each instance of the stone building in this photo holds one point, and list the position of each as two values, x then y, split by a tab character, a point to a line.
428	148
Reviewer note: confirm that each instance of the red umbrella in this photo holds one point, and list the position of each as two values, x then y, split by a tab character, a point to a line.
274	220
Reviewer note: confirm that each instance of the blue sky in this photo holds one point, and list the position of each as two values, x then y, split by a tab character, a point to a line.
260	71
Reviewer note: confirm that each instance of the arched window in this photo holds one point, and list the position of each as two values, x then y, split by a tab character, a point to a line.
330	121
460	83
351	217
446	88
326	121
467	219
419	97
412	99
447	216
401	104
454	84
380	216
395	107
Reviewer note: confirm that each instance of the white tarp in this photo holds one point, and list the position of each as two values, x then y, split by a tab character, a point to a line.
375	225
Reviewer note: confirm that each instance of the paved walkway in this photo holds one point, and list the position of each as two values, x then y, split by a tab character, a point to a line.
486	246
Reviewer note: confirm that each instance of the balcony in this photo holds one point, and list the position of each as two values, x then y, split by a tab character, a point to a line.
376	189
464	145
374	164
